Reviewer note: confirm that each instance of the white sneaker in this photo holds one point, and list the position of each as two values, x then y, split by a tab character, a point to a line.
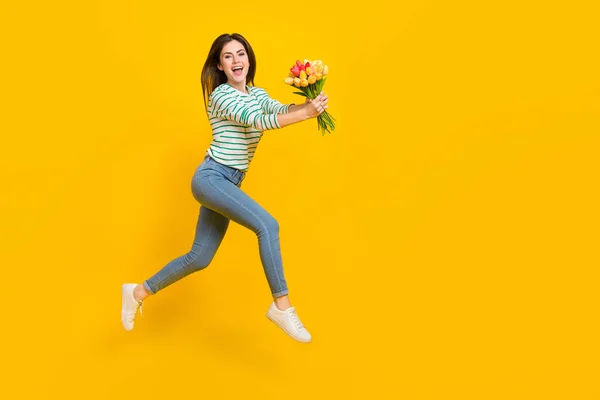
129	306
288	321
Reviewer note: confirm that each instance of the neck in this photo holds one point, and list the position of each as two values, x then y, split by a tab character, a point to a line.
241	86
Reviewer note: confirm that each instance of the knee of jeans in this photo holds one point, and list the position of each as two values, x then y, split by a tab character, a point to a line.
271	225
197	262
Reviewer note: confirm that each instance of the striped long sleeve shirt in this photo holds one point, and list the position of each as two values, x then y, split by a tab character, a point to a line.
238	120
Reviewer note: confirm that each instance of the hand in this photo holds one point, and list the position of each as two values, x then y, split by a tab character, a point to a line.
315	107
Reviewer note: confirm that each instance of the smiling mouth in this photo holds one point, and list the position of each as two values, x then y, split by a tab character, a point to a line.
237	71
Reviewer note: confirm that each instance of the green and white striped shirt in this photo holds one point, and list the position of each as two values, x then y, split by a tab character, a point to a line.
238	120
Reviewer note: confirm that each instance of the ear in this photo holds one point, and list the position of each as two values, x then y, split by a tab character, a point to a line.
220	67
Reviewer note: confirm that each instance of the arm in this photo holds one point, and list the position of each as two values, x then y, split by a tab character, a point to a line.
292	117
272	106
268	104
225	105
296	107
298	113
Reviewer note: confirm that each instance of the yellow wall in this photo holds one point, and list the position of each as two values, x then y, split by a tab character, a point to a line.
441	244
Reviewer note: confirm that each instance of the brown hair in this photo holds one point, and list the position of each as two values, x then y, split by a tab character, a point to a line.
211	75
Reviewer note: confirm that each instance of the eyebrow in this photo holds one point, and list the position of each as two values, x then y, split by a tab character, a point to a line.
228	52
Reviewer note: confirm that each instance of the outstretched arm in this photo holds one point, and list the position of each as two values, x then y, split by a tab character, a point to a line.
296	107
225	106
299	113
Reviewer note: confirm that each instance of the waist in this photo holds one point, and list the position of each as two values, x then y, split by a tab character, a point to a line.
232	170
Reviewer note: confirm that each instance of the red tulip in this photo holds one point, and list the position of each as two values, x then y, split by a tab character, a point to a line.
300	66
295	70
307	65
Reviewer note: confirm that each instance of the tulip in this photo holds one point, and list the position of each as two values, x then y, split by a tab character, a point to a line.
320	68
307	65
289	81
309	71
303	75
295	70
303	83
325	70
297	82
312	79
318	76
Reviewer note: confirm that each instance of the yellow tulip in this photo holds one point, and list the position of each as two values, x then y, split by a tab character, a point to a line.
325	70
318	76
303	82
297	82
312	79
302	75
309	71
320	69
289	81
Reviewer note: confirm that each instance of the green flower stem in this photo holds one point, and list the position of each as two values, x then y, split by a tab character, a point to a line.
325	121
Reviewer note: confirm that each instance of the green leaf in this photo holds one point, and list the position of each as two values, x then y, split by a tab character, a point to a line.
301	94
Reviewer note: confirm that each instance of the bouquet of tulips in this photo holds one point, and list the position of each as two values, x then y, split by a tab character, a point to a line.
310	78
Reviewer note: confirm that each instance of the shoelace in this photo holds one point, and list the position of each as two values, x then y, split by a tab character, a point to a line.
294	317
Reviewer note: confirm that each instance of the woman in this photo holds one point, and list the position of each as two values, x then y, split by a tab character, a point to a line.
238	114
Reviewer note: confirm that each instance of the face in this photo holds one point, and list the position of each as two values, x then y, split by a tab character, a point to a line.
234	62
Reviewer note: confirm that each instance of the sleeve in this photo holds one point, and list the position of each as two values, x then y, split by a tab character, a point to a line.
269	105
225	105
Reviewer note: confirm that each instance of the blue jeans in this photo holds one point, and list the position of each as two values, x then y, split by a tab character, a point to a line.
217	188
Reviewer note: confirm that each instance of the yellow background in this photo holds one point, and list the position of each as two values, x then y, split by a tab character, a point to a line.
441	244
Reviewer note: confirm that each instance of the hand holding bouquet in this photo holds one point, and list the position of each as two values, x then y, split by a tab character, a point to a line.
310	78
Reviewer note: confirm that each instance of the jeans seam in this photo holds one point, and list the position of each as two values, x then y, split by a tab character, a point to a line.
264	227
199	254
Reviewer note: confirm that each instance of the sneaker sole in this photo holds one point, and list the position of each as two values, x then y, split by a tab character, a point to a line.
287	331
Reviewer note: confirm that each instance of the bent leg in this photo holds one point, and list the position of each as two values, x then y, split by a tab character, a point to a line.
222	196
210	230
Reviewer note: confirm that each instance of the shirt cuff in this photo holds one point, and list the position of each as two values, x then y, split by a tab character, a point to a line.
275	122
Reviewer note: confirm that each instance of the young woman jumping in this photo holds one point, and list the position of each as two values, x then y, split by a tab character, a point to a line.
238	114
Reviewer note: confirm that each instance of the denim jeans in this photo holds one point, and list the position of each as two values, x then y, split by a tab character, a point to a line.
217	188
